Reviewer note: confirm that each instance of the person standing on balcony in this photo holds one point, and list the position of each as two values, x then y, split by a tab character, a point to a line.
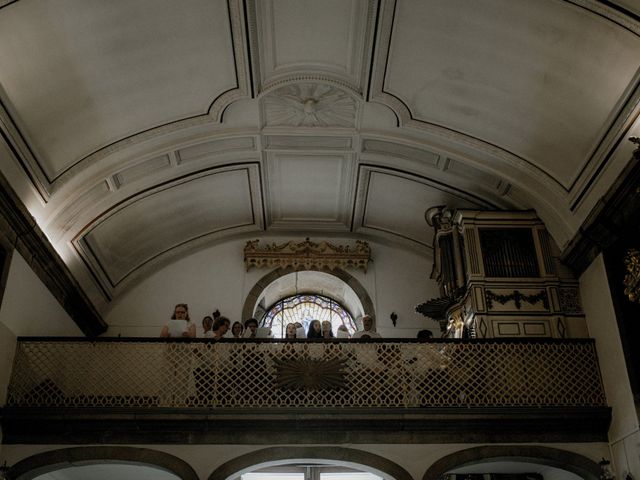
207	323
367	329
315	329
180	312
236	330
220	327
326	329
250	328
343	332
290	331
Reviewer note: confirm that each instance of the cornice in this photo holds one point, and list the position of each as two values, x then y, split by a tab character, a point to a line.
609	219
26	237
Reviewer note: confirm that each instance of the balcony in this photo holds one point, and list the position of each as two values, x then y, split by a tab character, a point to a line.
131	390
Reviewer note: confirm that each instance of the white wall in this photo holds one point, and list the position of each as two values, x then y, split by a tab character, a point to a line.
28	308
397	280
624	434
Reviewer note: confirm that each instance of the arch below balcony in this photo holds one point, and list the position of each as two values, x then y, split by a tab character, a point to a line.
569	461
274	456
53	460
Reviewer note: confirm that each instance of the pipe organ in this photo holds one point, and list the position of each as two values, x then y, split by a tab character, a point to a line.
500	276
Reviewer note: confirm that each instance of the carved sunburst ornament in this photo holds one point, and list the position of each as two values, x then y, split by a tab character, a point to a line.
310	374
310	105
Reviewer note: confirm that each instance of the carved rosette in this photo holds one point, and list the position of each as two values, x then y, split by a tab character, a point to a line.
307	254
310	105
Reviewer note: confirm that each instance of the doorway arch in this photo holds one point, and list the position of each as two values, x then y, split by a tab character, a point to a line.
274	456
41	463
569	461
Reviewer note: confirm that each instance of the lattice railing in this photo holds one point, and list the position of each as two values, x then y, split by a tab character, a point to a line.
390	374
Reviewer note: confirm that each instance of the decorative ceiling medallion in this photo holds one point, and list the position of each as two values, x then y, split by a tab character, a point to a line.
632	279
307	255
310	105
310	374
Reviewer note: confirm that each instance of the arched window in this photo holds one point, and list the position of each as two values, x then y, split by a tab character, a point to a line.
303	308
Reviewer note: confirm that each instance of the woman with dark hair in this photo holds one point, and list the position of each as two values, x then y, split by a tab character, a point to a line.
290	332
180	312
220	327
315	329
250	328
236	330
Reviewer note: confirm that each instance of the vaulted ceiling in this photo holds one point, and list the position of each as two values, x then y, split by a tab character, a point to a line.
137	131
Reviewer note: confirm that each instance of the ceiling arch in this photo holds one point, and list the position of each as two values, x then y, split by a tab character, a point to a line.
350	457
565	460
142	460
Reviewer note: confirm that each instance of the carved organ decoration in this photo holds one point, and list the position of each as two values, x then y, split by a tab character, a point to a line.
500	276
632	279
307	254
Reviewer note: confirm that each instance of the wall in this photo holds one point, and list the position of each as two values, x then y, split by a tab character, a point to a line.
28	308
397	280
624	434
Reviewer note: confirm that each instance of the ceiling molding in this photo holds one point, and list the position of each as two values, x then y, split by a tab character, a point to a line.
612	12
613	215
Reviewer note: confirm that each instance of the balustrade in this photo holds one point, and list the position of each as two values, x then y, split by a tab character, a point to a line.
151	373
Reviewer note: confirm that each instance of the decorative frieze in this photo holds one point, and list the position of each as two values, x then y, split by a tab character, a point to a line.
517	297
307	254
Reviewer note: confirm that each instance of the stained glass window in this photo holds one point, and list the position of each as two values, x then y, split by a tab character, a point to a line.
304	308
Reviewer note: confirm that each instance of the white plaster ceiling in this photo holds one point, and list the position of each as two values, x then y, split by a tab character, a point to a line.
135	132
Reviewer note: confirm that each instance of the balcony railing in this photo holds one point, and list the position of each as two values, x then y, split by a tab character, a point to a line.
150	373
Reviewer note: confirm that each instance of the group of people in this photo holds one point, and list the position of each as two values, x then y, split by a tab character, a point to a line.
216	327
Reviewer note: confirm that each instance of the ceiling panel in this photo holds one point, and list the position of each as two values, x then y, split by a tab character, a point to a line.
155	222
327	37
508	72
79	75
309	190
